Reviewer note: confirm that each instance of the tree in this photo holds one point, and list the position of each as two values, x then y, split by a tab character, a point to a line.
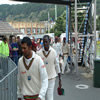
60	26
98	7
58	33
98	23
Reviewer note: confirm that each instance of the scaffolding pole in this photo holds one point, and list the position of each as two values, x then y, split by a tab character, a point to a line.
95	29
76	38
67	24
70	38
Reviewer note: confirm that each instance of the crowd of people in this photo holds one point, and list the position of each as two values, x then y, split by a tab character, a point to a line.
39	63
11	47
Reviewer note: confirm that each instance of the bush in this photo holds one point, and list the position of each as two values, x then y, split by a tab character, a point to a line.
58	33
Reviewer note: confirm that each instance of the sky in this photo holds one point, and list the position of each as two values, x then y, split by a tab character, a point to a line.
9	2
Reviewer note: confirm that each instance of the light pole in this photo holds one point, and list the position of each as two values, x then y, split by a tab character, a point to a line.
55	12
48	21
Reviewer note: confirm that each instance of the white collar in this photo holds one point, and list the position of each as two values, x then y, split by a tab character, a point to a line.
33	56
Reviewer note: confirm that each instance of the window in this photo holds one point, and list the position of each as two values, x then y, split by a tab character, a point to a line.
22	30
38	30
33	30
28	30
42	30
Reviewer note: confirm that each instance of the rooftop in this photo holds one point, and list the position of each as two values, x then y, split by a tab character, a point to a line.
64	2
7	29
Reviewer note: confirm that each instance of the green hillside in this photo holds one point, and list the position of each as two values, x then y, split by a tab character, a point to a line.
29	12
32	11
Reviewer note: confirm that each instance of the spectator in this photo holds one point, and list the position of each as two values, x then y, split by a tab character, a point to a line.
57	47
41	43
38	45
10	49
34	46
4	48
19	45
15	48
4	52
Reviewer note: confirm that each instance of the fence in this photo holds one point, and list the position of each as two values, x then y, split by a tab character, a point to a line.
8	79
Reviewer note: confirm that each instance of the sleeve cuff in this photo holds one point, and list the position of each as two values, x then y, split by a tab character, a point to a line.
40	96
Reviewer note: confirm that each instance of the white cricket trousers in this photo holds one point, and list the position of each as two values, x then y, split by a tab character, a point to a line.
50	90
65	65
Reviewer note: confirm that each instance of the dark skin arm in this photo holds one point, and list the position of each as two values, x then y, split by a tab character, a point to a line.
19	99
59	75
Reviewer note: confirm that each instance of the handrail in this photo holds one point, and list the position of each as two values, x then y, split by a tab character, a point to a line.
8	75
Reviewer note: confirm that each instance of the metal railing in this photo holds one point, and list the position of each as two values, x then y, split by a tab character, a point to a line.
8	79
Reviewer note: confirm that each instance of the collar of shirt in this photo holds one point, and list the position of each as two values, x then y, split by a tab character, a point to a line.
46	52
28	60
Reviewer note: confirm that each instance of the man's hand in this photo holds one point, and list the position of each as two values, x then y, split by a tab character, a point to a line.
14	49
59	75
38	98
19	99
59	80
60	83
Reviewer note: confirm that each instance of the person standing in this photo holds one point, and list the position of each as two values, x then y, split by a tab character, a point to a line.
32	75
4	53
34	46
4	48
15	48
74	60
19	46
91	53
38	45
65	52
50	58
57	47
41	43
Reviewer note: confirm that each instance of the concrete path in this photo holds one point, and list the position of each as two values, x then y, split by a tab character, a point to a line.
69	83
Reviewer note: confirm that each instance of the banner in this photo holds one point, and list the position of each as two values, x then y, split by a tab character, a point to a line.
98	49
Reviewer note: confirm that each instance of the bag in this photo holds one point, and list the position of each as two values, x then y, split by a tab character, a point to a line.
60	90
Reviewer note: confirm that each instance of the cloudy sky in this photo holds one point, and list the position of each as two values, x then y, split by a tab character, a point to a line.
9	2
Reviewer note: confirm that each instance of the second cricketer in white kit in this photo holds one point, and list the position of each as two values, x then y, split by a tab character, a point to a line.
50	58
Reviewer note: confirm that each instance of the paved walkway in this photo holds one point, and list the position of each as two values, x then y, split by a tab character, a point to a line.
69	83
